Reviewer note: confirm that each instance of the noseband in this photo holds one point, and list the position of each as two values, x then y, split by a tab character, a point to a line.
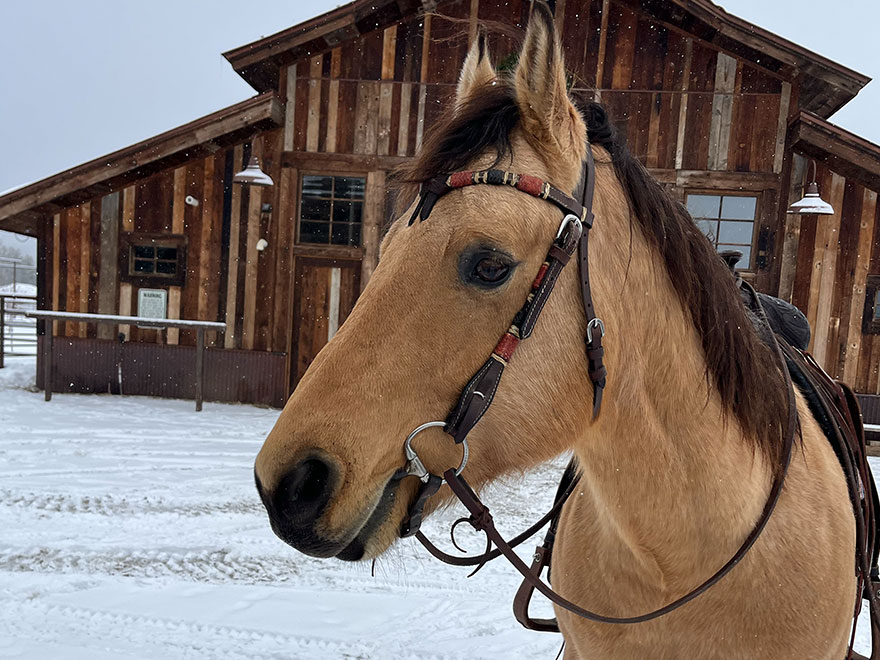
475	399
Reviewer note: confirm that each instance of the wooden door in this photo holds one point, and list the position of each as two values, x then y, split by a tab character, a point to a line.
325	290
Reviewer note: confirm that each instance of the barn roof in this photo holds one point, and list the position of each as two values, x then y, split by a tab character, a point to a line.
21	208
824	85
846	153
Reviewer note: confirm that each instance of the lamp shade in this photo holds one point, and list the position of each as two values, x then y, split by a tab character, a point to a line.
252	175
812	203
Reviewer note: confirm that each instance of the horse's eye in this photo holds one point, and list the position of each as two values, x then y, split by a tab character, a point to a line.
491	270
485	267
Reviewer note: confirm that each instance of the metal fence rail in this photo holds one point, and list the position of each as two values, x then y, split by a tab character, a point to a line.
18	333
199	326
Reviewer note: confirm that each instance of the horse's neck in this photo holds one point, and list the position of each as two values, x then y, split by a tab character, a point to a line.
666	473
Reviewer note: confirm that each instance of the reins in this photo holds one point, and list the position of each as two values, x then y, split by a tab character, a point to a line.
478	394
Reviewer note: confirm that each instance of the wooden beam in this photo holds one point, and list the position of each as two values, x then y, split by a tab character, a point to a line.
332	101
108	277
314	120
230	337
603	45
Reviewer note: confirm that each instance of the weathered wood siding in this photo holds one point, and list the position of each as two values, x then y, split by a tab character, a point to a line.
227	278
830	259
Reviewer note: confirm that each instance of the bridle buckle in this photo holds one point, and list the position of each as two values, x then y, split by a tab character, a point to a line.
595	323
569	219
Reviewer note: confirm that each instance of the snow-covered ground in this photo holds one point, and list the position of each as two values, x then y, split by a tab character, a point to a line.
130	528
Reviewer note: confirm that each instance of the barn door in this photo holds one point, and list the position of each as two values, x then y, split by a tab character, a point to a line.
325	290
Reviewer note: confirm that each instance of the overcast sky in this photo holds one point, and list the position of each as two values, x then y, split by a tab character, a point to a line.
81	79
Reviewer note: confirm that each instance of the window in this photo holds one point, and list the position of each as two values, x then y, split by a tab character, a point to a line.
728	221
153	258
331	210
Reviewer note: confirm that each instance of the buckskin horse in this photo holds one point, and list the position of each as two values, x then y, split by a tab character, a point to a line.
712	516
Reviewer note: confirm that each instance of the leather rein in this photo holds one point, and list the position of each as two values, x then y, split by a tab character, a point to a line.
475	399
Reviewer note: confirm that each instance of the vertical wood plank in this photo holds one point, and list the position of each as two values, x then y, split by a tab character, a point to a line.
333	302
85	264
403	126
603	45
860	275
683	108
722	110
108	278
782	127
125	288
423	91
178	213
290	108
56	265
251	263
791	239
826	262
374	212
314	120
230	336
333	100
207	226
282	299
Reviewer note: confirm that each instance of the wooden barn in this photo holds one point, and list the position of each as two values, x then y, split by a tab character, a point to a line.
729	116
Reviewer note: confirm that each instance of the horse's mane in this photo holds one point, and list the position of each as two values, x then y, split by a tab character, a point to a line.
739	364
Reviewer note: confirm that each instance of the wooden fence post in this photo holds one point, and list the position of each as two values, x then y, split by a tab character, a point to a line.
2	329
47	359
200	366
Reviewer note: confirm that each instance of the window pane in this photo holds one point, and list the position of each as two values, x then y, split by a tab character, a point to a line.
739	208
709	228
356	235
350	187
736	232
704	206
143	266
877	306
167	253
746	261
347	211
315	209
314	232
166	267
341	233
317	186
143	251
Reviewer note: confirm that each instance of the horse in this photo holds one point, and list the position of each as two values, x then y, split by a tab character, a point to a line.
676	467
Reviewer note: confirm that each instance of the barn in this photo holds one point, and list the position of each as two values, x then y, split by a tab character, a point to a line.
731	118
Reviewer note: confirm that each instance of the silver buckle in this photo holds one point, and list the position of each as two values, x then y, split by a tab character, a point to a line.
566	221
414	466
595	323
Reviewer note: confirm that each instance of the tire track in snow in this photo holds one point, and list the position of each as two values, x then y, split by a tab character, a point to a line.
213	566
109	505
173	638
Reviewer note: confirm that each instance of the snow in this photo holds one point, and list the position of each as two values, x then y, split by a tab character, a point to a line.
131	529
19	288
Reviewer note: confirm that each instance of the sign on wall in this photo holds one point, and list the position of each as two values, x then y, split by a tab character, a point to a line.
152	303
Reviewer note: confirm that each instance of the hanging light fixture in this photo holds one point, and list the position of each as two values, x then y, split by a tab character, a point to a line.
252	175
811	203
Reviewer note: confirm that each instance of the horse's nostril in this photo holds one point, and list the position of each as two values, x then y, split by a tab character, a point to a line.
303	493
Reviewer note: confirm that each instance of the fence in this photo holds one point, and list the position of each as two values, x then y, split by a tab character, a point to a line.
199	326
18	333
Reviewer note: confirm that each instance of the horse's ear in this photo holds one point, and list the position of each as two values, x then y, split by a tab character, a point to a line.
551	122
476	72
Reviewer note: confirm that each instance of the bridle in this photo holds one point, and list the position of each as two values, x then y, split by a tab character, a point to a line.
475	399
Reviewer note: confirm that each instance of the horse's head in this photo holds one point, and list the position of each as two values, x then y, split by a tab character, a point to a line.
443	293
